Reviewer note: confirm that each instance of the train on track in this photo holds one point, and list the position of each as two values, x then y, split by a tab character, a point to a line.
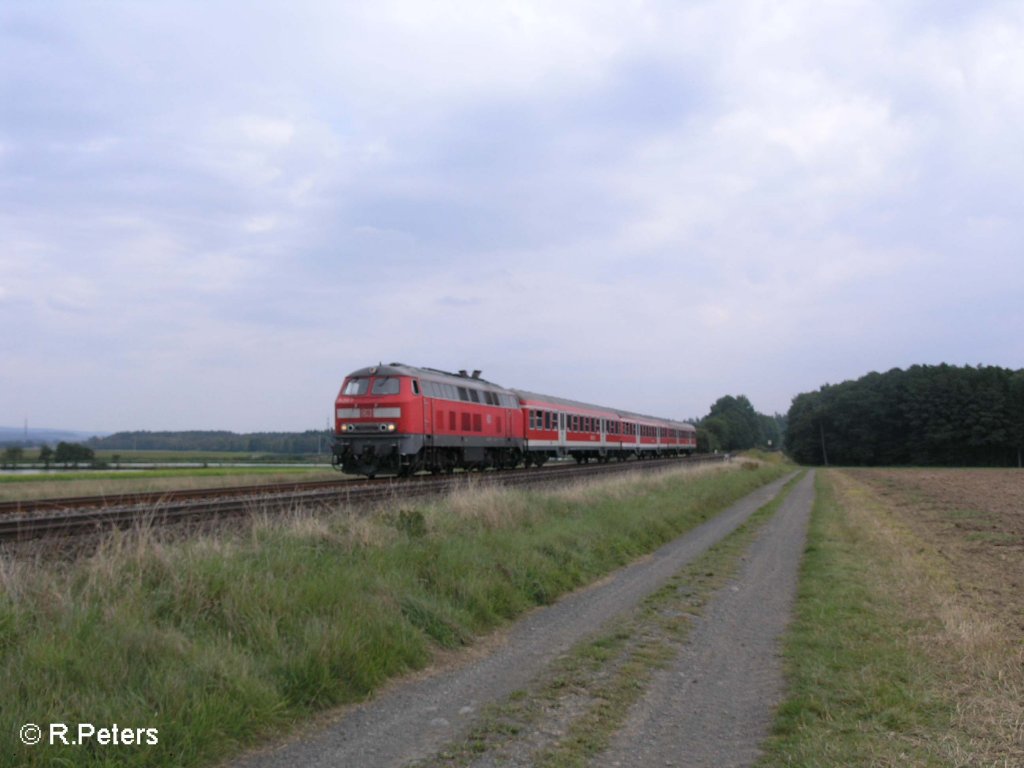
398	420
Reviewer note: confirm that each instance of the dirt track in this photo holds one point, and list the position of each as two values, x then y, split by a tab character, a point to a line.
731	649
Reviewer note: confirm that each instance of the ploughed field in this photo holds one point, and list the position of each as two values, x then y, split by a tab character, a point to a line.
975	520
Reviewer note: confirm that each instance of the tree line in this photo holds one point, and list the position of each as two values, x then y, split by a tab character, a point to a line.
927	415
68	454
295	443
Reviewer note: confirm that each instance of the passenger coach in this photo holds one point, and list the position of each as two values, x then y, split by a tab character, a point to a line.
556	427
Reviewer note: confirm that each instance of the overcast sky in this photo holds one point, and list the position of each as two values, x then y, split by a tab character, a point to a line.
210	212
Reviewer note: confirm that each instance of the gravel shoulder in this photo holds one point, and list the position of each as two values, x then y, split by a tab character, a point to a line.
414	719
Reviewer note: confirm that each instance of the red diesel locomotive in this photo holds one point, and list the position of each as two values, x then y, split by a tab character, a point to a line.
399	419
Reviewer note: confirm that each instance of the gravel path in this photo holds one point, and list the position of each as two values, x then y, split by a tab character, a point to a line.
412	720
714	705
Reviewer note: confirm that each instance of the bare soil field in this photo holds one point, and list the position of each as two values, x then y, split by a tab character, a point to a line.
975	520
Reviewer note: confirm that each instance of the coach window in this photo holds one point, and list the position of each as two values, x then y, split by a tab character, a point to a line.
464	394
415	387
474	396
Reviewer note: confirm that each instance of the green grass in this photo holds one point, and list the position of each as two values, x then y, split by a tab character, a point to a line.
219	643
147	474
22	487
861	691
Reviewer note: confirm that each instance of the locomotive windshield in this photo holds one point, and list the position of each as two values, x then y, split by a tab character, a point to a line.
385	386
356	387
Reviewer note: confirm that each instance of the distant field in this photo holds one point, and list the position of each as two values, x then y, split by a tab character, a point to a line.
908	644
213	457
88	482
112	457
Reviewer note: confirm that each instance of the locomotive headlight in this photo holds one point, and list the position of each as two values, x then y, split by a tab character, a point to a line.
390	427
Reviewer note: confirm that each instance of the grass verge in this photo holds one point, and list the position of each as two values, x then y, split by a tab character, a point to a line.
883	655
219	642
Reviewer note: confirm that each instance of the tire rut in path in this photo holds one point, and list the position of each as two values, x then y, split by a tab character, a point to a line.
412	720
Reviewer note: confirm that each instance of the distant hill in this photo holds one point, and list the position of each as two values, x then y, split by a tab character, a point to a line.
37	436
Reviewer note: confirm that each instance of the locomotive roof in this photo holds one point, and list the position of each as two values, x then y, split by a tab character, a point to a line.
429	374
524	395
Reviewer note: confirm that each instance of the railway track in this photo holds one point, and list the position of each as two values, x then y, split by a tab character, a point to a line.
22	520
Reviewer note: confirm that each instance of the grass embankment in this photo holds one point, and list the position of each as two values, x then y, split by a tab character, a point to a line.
218	642
889	664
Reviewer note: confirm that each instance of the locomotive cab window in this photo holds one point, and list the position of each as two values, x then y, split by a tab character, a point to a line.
356	387
387	385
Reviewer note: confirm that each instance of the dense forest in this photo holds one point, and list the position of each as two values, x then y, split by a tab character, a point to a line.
926	415
308	442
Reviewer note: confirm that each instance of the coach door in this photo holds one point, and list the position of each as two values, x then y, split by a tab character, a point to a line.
561	429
